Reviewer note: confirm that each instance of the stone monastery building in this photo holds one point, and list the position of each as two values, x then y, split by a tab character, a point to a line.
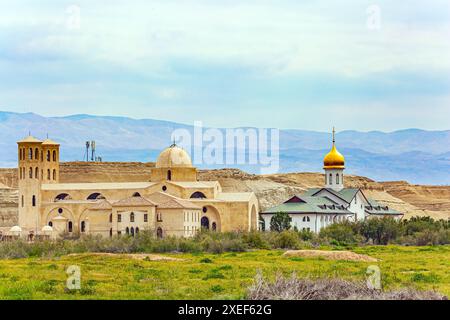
171	203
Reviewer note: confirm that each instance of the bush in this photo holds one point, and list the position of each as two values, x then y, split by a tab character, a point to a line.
280	221
285	240
328	289
340	234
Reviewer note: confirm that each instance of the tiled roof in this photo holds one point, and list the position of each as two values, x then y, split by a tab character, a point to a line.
30	139
102	205
310	205
376	208
134	201
178	204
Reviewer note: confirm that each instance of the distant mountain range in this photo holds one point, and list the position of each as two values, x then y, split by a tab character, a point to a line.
418	156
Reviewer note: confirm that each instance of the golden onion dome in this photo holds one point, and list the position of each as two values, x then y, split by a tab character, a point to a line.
334	159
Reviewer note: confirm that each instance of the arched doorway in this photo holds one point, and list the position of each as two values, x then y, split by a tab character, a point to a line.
205	223
159	233
210	219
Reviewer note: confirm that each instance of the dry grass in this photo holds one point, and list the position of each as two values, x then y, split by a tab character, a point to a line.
137	256
329	289
329	255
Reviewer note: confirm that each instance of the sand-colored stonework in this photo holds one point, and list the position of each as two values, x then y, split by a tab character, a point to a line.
170	200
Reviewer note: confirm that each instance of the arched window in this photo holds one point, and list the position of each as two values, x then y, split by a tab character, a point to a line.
83	226
96	196
198	195
132	231
110	233
110	217
30	154
325	179
54	174
33	201
214	226
36	173
136	194
48	155
36	154
137	230
169	175
31	173
63	196
337	178
23	201
132	217
159	233
42	156
48	174
70	226
54	156
127	230
331	179
204	223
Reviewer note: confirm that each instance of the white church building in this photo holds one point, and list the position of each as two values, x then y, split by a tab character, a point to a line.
320	207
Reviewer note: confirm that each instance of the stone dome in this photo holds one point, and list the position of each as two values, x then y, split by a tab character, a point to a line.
173	156
15	229
47	229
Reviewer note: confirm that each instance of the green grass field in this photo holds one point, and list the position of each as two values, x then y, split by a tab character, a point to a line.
209	276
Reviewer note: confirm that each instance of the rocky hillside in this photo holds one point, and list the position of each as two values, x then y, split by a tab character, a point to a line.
413	200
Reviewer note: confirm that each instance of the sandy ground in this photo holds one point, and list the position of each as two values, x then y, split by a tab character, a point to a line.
330	255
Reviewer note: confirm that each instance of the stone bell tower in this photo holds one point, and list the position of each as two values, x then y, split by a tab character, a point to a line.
38	163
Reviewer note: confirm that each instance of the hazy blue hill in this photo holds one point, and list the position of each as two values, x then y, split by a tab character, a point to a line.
418	156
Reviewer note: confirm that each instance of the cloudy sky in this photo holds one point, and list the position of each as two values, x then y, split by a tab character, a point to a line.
358	64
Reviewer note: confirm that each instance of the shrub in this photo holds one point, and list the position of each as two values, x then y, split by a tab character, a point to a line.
286	240
280	221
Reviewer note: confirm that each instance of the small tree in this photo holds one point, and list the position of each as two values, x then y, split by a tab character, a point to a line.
280	221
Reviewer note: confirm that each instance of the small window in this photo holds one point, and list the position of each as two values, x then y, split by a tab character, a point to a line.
48	155
30	154
337	178
36	173
145	217
198	195
31	173
331	179
60	210
54	156
54	175
70	226
23	201
83	226
136	194
110	233
48	174
119	218
127	230
132	217
33	201
159	233
50	224
164	188
36	154
169	175
137	230
214	226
